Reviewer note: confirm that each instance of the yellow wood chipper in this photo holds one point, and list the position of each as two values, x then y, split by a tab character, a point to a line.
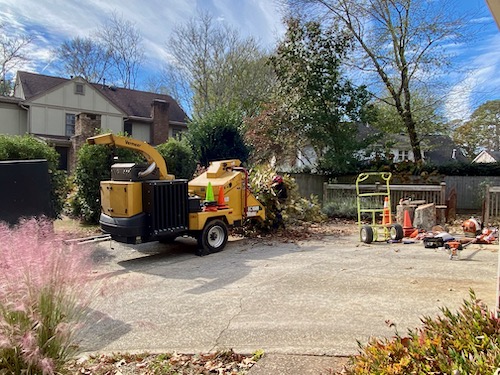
143	203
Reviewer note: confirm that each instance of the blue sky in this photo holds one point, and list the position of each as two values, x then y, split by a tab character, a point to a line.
53	21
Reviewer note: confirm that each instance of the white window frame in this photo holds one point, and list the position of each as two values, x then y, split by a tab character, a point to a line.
79	88
403	155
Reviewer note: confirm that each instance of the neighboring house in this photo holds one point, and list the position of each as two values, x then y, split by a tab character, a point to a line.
487	157
436	149
64	112
440	149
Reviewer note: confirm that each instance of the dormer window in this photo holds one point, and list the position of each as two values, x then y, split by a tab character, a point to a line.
79	88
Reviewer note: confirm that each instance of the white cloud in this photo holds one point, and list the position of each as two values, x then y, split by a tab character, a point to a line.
51	22
479	84
481	20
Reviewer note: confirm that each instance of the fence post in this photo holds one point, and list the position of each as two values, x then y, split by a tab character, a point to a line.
486	215
497	312
325	192
442	198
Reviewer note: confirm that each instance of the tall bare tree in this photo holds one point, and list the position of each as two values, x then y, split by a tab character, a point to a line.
13	52
84	57
173	81
400	42
123	42
115	53
221	67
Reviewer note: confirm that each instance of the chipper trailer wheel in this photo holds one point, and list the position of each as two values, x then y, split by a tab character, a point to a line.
396	232
214	236
366	234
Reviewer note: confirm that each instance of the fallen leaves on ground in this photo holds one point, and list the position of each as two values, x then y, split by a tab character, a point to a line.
220	363
305	231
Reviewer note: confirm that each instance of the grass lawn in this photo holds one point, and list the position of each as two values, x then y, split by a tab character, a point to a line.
75	228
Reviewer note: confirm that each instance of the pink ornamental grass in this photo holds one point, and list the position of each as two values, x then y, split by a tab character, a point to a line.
44	292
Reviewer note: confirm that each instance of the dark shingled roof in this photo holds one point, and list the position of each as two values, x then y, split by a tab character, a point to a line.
440	150
131	102
138	103
495	154
36	84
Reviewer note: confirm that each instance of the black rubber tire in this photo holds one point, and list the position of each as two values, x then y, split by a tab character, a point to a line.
396	232
366	234
214	236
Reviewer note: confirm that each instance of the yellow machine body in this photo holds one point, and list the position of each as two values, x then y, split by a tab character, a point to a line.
121	198
240	201
145	203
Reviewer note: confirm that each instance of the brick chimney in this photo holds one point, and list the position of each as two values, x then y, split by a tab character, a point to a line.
85	126
161	126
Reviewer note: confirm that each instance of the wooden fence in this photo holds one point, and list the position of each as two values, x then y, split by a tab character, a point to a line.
491	210
471	194
430	193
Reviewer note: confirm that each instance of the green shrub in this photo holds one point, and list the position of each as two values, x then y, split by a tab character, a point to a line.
179	158
345	208
218	136
466	342
27	147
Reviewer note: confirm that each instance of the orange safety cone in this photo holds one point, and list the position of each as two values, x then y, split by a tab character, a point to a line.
386	218
407	225
221	201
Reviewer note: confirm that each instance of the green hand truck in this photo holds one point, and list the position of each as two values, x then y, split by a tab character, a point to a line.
373	200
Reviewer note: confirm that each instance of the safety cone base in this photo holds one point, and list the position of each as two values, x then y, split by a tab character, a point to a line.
210	206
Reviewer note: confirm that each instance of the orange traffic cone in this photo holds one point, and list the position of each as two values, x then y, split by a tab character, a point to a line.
414	233
407	225
386	218
221	201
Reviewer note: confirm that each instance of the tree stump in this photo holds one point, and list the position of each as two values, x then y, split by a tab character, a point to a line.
441	214
425	217
400	212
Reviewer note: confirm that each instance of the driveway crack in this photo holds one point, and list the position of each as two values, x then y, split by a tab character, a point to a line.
230	321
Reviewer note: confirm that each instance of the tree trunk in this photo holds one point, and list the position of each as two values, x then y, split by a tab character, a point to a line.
412	134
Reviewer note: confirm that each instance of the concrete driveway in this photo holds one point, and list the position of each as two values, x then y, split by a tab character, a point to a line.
312	297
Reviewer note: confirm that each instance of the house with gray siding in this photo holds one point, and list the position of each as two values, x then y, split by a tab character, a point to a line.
65	111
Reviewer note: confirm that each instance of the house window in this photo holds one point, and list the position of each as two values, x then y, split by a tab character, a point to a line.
70	124
177	134
127	127
79	89
403	155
